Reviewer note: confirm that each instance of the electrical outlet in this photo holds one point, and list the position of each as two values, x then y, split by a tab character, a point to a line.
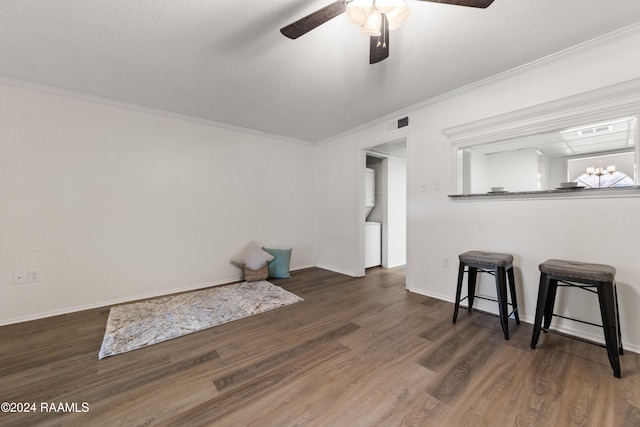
34	275
19	277
446	262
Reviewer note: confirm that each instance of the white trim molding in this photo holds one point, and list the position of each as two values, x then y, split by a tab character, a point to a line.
148	110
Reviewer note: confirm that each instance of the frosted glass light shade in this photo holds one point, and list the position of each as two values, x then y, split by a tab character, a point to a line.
358	10
371	25
397	16
368	16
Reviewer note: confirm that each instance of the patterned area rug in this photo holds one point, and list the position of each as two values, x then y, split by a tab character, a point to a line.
137	325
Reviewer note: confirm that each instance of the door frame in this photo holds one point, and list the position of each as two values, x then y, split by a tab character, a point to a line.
360	232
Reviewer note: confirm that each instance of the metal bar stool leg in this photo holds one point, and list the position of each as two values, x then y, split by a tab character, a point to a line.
458	291
501	287
549	303
543	290
609	323
512	290
615	295
471	285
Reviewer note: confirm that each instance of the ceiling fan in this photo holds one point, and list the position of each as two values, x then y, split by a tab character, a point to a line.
376	17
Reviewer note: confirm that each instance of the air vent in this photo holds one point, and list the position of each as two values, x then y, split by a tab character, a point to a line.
397	124
596	130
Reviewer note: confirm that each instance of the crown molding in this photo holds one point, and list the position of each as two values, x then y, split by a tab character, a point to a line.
148	110
604	40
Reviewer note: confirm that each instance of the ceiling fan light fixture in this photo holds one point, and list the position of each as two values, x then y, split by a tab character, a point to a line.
386	6
375	17
397	16
371	25
368	14
357	11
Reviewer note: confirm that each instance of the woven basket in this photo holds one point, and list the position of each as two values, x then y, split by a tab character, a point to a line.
255	275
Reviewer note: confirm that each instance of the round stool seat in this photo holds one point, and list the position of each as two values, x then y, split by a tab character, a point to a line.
574	270
491	259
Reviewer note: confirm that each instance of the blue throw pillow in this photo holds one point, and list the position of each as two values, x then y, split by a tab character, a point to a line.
279	267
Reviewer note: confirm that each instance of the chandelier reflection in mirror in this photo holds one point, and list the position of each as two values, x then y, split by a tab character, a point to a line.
599	177
614	139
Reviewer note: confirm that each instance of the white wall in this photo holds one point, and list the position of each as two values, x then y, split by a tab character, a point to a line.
513	170
478	173
557	171
339	208
544	173
112	203
532	230
396	230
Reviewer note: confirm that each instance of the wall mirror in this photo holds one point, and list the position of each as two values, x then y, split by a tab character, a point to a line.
584	141
600	154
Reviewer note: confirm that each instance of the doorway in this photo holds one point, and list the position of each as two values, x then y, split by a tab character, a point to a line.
389	162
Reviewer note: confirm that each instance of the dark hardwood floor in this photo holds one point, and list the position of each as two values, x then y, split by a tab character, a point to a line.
356	352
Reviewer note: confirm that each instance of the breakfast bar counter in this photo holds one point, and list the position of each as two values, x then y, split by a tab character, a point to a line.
579	192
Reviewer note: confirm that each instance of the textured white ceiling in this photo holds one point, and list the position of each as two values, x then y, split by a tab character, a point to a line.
226	61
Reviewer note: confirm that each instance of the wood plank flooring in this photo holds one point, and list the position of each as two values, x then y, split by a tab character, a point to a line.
356	352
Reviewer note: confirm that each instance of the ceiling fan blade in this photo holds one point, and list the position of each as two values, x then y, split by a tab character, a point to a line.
471	3
317	18
379	45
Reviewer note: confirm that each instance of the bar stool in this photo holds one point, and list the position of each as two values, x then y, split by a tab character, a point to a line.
497	264
554	273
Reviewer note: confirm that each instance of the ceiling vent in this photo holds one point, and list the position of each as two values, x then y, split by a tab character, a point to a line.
594	131
397	124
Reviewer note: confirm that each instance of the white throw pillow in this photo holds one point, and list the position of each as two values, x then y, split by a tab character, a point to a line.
253	257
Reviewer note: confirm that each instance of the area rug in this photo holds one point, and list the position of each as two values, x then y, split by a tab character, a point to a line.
137	325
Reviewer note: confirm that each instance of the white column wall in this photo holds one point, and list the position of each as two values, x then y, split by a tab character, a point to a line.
397	212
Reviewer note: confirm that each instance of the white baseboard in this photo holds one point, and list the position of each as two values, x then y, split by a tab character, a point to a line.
116	301
598	338
350	273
